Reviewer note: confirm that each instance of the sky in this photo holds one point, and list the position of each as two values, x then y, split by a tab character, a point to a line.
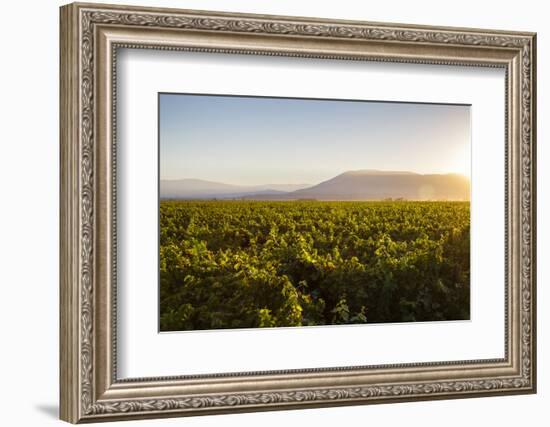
259	140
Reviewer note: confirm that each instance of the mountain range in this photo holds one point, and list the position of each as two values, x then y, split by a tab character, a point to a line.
201	189
351	185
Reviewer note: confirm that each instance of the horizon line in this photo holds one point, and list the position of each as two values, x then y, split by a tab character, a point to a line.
306	183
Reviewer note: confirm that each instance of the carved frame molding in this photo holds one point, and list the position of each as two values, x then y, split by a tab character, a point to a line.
90	36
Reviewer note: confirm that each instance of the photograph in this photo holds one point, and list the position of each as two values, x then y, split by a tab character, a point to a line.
298	212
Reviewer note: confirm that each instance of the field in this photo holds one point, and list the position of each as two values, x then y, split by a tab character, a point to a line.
248	264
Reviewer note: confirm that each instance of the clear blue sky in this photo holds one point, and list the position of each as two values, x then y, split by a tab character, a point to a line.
254	140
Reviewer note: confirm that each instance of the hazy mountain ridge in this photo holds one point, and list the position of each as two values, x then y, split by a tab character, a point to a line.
202	189
367	185
351	185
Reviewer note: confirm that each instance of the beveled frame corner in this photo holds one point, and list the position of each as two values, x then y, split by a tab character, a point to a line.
89	39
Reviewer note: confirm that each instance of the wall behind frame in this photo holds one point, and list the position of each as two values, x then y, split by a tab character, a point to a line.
29	176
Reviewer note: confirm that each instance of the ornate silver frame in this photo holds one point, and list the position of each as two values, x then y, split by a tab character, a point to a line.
90	36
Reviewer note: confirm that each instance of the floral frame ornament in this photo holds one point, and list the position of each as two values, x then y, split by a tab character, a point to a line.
90	36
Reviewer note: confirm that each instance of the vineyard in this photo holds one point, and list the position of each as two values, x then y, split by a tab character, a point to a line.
248	264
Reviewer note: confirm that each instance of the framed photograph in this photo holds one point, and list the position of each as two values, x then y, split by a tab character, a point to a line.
266	212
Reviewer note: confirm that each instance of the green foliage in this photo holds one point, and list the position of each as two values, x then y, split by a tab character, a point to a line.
247	264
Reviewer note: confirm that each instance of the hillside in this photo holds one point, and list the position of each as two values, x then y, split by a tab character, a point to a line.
202	189
350	185
376	185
